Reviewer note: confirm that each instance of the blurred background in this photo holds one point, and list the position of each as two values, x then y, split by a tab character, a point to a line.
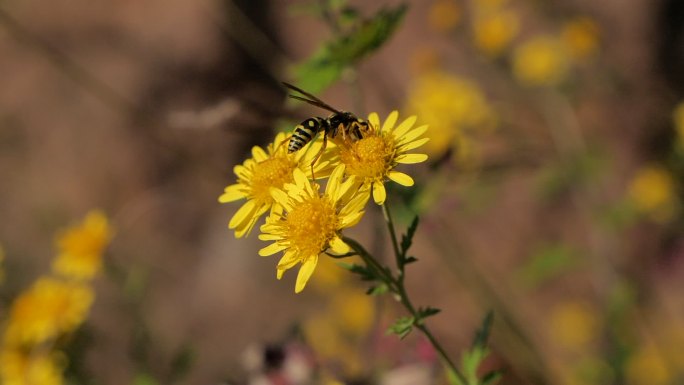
553	193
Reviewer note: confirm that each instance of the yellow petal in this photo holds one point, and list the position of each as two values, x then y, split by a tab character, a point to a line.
351	219
280	197
269	237
272	249
302	181
241	171
412	145
337	246
411	135
259	154
390	121
411	158
404	126
379	193
305	272
334	181
232	193
243	214
288	260
400	178
356	203
374	120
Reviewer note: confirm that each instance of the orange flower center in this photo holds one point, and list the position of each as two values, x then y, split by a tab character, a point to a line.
272	172
369	157
311	225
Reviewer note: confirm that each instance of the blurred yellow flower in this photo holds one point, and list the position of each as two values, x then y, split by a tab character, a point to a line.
33	368
541	61
354	311
372	160
80	247
573	325
48	308
312	221
494	31
266	170
444	15
648	367
323	334
453	106
652	191
581	37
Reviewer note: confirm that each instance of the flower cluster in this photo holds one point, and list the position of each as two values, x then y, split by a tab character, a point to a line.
54	306
305	220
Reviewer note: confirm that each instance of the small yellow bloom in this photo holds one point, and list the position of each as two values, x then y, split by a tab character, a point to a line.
266	170
652	191
311	222
648	367
581	36
455	105
574	325
444	15
47	309
541	61
80	247
373	159
34	368
354	311
494	31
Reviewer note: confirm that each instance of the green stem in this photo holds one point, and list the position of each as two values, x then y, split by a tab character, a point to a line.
393	235
396	286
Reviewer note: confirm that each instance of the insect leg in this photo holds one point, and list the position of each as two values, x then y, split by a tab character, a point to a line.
315	159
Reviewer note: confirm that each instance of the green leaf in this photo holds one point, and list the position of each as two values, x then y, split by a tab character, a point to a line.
328	63
379	289
368	37
402	326
363	271
144	379
491	377
407	239
482	334
546	263
426	312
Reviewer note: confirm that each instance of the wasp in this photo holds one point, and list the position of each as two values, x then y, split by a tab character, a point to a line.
338	125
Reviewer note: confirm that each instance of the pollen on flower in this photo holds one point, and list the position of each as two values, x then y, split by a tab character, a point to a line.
268	173
368	157
311	225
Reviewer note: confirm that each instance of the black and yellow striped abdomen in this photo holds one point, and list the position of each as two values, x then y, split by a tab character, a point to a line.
305	132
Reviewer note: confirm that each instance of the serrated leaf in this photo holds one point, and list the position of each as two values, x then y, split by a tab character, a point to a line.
424	313
402	326
407	239
365	273
379	289
482	333
368	37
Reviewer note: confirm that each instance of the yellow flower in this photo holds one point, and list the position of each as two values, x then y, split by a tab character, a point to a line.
456	105
265	170
444	15
373	159
494	31
652	191
49	308
312	222
581	36
80	247
35	368
573	325
354	311
541	61
648	367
